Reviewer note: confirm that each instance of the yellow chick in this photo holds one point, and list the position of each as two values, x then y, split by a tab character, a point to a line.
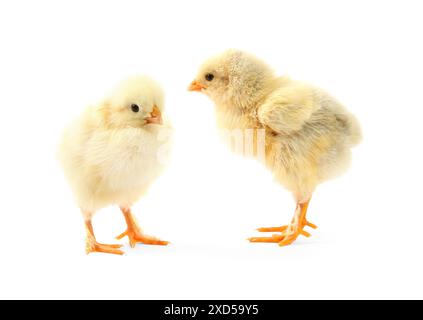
111	154
305	134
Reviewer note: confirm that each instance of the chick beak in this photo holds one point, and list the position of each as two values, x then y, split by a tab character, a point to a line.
195	86
155	117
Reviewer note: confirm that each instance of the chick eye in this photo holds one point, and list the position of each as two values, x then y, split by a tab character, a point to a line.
135	108
209	77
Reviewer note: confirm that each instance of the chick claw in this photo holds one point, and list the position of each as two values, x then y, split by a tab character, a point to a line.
287	237
104	248
283	240
137	237
283	228
273	239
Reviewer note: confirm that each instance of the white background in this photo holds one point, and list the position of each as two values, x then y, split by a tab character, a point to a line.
57	57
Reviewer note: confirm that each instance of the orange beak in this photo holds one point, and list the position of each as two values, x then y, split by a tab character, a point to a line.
155	116
195	86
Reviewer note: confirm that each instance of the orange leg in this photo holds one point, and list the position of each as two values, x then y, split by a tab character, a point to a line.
290	232
134	233
93	246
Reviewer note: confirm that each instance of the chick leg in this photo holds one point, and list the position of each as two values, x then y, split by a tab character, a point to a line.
290	232
93	246
134	232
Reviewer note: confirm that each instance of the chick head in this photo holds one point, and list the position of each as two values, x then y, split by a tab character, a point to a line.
232	76
136	102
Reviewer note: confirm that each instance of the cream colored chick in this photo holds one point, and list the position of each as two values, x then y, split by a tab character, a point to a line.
111	155
305	134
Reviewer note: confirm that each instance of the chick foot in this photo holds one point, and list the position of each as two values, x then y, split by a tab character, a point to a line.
93	246
290	232
134	233
136	236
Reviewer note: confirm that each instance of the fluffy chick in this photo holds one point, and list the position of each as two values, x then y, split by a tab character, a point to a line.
110	155
307	134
